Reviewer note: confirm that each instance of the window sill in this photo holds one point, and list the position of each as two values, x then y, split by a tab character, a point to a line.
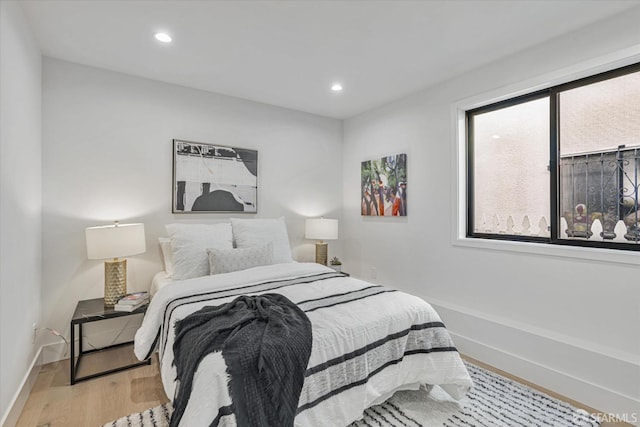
556	251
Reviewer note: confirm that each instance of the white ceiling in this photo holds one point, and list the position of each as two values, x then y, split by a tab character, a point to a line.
287	53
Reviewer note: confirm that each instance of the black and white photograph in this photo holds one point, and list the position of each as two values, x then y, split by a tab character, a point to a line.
214	178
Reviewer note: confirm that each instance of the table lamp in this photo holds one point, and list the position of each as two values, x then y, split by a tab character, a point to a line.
111	242
321	229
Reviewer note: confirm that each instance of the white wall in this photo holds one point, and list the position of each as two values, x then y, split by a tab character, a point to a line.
107	154
569	324
20	199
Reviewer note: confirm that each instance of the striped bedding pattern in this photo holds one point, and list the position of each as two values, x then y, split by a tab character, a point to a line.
368	342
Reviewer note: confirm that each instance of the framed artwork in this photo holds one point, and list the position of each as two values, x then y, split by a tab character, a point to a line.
212	178
383	186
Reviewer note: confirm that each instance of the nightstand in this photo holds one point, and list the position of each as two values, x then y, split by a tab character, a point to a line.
93	310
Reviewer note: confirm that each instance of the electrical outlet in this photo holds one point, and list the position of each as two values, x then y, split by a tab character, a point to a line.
374	273
35	333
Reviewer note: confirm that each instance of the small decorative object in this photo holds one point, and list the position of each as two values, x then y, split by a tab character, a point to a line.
114	241
336	264
321	229
580	224
214	178
132	302
383	186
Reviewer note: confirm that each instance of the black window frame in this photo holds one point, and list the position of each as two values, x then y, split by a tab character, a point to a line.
554	163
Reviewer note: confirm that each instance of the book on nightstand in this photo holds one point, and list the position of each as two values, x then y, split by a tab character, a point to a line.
131	302
134	298
128	307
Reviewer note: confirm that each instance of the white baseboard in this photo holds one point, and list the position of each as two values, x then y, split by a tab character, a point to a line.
606	381
55	352
10	418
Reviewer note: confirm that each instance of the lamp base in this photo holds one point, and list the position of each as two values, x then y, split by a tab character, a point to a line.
321	253
115	281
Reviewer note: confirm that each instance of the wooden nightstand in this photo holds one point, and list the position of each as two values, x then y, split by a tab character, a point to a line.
93	310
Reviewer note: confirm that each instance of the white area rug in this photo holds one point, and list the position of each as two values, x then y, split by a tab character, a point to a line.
494	401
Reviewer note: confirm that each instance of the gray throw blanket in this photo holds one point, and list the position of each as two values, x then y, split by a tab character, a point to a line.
265	342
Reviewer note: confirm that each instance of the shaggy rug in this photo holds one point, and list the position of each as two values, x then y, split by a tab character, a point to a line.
494	401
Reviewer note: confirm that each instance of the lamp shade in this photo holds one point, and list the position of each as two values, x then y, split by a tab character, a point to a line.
321	228
113	241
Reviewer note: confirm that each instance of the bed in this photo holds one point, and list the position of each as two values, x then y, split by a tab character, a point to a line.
368	341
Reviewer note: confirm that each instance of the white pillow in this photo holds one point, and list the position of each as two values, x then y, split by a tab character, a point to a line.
229	260
189	243
167	255
258	232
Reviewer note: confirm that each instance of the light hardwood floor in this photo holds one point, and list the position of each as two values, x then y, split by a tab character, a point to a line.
54	403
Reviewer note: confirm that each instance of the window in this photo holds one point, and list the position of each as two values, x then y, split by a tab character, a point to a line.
510	154
559	166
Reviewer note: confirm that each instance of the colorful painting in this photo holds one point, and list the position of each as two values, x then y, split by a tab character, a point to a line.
214	178
383	186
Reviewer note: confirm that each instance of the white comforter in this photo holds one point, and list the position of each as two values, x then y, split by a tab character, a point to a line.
368	342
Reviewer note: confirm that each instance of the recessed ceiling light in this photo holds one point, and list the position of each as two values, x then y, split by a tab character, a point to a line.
163	37
495	136
336	87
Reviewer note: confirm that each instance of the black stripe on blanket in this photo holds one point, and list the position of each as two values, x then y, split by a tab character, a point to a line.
338	299
336	295
371	346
